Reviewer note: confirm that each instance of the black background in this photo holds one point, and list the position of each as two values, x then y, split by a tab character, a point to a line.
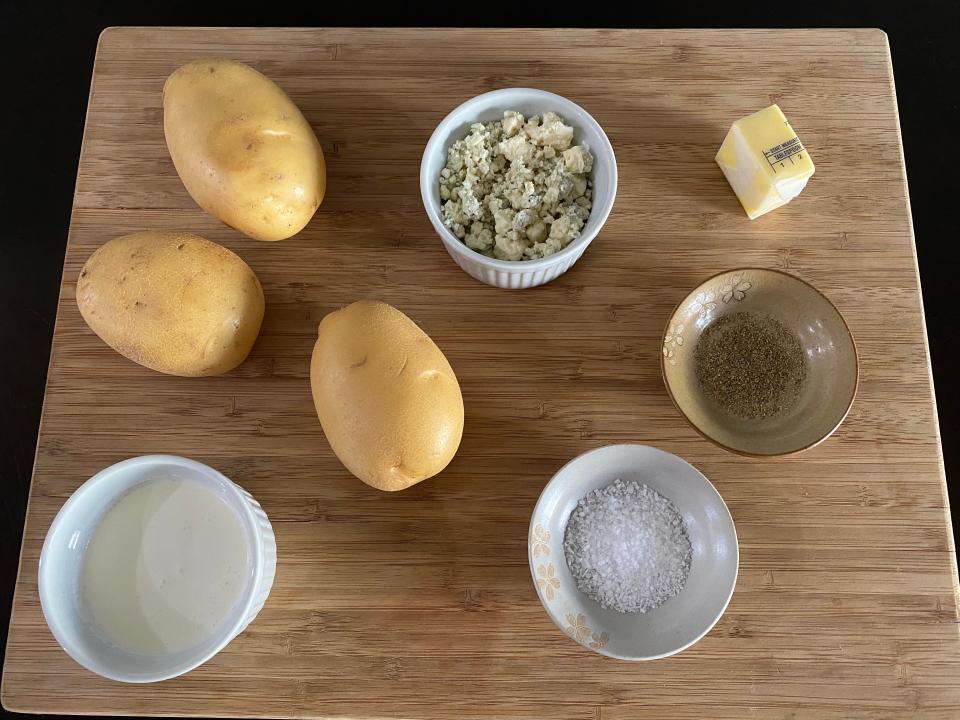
48	56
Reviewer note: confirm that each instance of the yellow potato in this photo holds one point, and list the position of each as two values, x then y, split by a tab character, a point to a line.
244	151
174	302
388	400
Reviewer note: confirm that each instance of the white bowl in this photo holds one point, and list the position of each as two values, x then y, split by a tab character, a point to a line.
486	108
67	540
680	621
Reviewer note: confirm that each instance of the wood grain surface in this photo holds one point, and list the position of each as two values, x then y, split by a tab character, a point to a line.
420	604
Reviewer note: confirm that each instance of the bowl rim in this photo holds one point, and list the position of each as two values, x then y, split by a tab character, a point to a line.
240	612
605	650
745	453
456	245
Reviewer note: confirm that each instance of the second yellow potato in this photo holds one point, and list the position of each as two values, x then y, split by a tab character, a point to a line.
244	151
171	301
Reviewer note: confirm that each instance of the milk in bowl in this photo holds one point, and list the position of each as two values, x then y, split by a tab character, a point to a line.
153	566
165	566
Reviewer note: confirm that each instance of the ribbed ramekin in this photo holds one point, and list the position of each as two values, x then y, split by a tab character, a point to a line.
62	557
490	106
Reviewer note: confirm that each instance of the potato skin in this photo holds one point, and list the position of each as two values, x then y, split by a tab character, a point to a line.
244	151
388	400
171	301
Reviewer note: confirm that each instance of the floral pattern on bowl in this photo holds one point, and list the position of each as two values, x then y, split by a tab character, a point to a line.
730	289
548	585
672	341
578	630
547	580
735	288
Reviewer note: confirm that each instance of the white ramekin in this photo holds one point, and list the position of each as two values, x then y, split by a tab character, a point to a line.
486	108
67	540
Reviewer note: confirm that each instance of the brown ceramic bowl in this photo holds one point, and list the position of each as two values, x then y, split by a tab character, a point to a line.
832	366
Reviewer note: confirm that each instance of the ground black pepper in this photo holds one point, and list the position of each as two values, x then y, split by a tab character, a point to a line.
750	364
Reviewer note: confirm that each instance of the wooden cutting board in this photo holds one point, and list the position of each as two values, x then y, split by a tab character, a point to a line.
420	604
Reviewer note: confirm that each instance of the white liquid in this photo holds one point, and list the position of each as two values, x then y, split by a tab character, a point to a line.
164	567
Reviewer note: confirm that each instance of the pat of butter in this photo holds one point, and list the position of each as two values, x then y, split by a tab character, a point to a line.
764	161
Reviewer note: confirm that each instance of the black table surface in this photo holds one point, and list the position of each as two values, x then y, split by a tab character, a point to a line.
48	59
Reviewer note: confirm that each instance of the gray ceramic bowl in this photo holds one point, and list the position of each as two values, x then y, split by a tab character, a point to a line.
680	621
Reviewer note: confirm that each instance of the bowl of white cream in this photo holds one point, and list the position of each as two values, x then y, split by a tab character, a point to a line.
153	566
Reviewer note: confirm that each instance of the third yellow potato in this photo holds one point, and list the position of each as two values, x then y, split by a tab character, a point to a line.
244	151
388	400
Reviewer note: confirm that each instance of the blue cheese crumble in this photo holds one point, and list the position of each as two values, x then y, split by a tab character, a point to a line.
517	189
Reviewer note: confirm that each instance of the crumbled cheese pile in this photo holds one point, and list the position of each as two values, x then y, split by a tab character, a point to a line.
517	189
627	547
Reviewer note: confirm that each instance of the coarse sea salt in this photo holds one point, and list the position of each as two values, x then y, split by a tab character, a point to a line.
627	547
